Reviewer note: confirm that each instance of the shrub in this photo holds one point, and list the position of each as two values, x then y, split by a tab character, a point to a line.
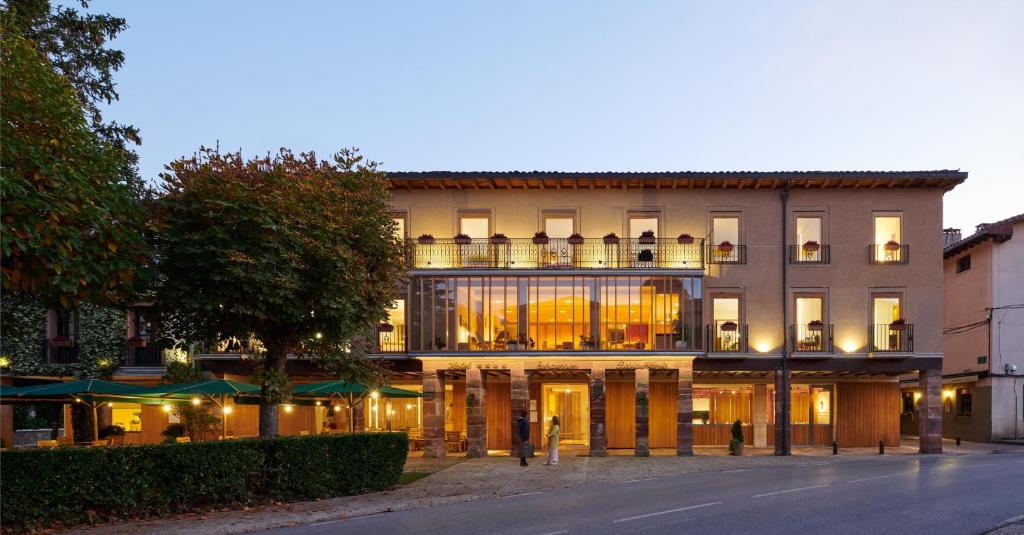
736	444
74	485
173	431
112	430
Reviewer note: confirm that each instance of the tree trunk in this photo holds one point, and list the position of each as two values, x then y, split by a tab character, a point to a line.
269	416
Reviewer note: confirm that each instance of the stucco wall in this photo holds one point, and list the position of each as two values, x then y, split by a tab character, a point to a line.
968	296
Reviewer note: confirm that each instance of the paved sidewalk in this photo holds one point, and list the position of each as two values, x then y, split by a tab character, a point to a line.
459	480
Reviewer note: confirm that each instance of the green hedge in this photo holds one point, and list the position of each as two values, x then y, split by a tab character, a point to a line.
76	485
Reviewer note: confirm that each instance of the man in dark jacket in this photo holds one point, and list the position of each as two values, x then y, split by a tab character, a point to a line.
524	438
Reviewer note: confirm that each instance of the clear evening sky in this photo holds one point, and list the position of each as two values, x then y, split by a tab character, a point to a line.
591	86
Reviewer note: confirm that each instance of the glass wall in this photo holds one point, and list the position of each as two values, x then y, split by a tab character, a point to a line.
571	313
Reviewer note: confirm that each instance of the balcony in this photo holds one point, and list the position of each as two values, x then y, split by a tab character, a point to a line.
390	338
557	253
811	338
891	338
814	255
143	354
61	349
888	253
726	336
726	253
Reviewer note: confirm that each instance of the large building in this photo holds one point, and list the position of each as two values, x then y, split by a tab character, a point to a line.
983	370
649	311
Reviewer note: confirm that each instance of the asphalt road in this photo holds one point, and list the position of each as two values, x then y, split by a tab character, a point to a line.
906	494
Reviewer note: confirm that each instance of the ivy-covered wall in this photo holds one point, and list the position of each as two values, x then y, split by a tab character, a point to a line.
101	333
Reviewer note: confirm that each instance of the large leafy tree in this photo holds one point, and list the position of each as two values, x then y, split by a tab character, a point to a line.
299	253
72	226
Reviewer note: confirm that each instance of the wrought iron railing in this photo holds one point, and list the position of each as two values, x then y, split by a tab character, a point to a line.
556	253
145	355
390	338
726	254
61	349
882	253
811	338
891	338
726	336
815	254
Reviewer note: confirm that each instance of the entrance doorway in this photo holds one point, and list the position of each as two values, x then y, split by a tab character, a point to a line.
571	403
811	414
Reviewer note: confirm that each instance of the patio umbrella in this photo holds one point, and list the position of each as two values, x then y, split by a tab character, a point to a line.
349	391
89	391
216	391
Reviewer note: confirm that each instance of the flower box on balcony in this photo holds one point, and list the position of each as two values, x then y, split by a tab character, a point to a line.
386	328
576	239
811	247
725	248
499	239
425	239
647	237
462	239
60	341
815	326
892	246
684	239
898	325
611	239
137	341
541	238
729	326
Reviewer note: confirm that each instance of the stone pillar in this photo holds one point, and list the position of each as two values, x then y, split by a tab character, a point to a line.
433	413
783	429
519	403
359	415
6	419
760	415
643	377
929	411
684	411
476	414
598	432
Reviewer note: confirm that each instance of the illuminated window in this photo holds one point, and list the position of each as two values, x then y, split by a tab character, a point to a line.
477	227
888	239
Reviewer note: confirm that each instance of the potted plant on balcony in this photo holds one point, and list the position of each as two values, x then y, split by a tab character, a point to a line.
61	341
499	239
462	239
586	342
576	238
541	238
137	341
729	327
736	444
811	246
725	248
647	237
425	239
898	324
684	239
815	325
892	246
611	239
386	328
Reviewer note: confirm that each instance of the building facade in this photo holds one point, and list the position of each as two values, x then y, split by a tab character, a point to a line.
983	370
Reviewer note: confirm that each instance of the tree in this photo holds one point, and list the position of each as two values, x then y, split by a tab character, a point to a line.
299	253
72	218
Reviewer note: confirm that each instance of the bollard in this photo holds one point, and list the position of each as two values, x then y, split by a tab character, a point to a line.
835	448
881	447
958	441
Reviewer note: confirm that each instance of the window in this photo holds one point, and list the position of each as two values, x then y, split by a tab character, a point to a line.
638	224
908	402
963	402
399	221
142	326
810	333
475	226
809	247
725	238
559	226
888	246
963	264
888	330
726	330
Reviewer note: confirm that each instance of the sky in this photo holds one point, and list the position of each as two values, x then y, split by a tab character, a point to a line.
590	86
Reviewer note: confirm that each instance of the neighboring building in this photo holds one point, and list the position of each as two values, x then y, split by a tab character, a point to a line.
983	371
657	309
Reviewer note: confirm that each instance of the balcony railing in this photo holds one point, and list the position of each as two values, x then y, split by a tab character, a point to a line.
390	338
726	336
726	254
811	338
799	254
144	355
891	338
558	253
880	253
60	350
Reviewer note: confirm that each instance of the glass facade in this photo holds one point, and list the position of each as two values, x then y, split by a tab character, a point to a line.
555	313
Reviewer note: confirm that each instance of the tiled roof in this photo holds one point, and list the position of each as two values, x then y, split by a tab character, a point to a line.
999	231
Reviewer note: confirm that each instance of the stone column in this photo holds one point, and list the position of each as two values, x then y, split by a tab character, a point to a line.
684	411
929	411
783	430
476	414
519	403
598	432
433	413
643	377
760	415
359	415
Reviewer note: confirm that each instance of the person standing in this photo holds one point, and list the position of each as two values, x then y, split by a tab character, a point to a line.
553	434
523	430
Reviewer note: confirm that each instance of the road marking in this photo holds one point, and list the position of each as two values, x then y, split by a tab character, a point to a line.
1008	521
876	477
343	519
556	532
788	491
734	471
521	494
659	513
639	480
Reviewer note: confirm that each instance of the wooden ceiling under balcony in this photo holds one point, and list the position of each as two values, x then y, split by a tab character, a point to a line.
541	180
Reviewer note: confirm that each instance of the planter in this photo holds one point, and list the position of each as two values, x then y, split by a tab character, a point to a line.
541	238
811	247
892	246
729	326
684	239
898	325
462	239
611	239
647	237
60	341
725	248
386	328
576	239
499	239
815	326
137	342
425	239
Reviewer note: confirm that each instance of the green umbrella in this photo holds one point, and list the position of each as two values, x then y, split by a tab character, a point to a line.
84	391
392	392
350	391
216	391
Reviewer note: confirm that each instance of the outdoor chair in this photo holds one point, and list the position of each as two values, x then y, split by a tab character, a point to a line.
453	441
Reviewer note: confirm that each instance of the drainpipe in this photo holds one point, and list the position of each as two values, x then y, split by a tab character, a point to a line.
785	437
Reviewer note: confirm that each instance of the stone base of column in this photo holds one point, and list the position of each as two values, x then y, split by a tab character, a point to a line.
783	429
476	415
684	412
598	432
929	411
433	414
760	416
642	413
519	403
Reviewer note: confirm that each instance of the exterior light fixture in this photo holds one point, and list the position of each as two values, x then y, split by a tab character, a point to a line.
337	408
317	403
319	335
227	409
4	362
167	408
288	409
917	396
375	394
196	401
